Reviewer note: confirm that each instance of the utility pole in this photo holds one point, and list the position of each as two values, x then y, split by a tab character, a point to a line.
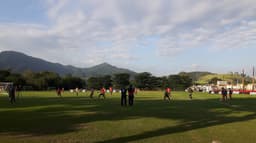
253	78
243	79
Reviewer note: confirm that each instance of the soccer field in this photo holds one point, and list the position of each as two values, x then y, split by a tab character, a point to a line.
44	117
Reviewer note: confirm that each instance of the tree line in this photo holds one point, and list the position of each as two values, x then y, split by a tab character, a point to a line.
48	80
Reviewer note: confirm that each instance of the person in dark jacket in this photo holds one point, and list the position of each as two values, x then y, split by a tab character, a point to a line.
224	94
123	97
12	94
230	92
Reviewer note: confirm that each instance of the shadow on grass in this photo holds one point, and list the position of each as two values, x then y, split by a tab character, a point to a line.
49	116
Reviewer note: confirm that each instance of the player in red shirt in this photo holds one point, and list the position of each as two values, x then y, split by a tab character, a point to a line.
59	92
131	91
167	93
110	90
102	92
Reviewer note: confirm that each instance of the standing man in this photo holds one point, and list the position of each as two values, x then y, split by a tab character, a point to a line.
131	91
167	93
123	96
230	92
224	94
102	92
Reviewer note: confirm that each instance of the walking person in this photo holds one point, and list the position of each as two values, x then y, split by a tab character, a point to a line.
111	90
92	93
12	94
77	90
190	91
167	93
18	91
131	91
123	96
102	92
59	92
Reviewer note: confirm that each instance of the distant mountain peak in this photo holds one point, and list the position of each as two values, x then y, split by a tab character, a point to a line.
104	64
20	62
12	52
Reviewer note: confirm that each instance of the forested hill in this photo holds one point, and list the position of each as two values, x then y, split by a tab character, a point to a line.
19	62
196	75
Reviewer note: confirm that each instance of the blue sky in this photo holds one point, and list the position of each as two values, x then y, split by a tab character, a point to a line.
162	37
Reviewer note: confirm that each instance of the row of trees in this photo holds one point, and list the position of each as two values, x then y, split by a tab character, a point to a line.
50	80
144	81
41	80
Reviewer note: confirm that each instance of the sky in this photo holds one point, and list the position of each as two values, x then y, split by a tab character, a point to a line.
158	36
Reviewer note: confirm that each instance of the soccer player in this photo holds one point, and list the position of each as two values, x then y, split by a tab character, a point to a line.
110	90
77	90
92	92
59	92
167	93
102	92
190	91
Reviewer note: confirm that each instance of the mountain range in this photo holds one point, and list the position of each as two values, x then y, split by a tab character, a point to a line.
19	62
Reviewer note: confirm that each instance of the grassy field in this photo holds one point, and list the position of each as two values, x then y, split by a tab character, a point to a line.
44	117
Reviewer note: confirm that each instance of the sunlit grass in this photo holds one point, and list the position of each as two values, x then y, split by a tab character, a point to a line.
44	117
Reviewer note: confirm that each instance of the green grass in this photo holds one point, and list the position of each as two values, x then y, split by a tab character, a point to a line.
44	117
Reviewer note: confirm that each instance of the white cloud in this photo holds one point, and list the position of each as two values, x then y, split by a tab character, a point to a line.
77	27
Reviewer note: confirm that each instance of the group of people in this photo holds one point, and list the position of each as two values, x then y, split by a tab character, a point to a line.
168	95
123	91
225	93
131	92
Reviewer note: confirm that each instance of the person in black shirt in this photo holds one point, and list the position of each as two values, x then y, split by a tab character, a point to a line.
123	96
224	94
12	94
230	92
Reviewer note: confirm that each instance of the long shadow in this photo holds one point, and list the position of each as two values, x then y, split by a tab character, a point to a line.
185	126
49	116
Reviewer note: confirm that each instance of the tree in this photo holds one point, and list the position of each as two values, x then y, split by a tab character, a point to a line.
142	80
214	80
4	74
146	81
51	79
106	81
179	82
94	82
17	79
121	80
165	82
70	82
99	82
155	83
